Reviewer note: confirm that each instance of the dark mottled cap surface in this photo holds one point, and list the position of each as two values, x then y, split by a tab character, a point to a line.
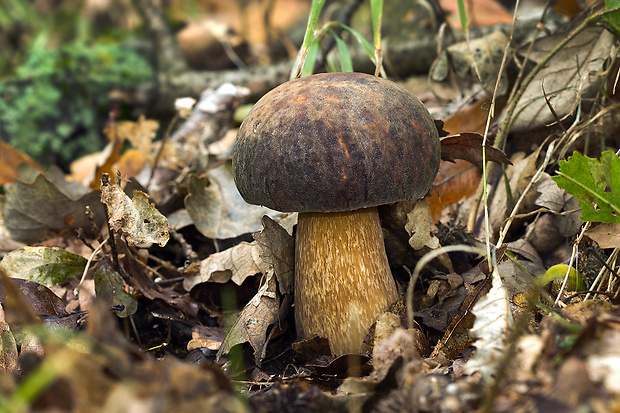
335	142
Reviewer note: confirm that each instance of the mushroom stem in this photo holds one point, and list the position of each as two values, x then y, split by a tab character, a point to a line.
342	277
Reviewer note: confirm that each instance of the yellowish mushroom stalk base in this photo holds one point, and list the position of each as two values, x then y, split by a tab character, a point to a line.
342	277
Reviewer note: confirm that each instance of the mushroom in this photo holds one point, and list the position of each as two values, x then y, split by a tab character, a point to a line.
333	147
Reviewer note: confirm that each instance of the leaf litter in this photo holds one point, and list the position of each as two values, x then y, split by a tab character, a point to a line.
207	307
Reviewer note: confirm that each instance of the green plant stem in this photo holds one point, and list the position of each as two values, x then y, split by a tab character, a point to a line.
315	12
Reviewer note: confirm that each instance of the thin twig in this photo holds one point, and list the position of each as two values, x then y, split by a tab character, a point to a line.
76	291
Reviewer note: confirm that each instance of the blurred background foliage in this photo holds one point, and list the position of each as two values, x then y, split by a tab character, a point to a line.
66	65
58	64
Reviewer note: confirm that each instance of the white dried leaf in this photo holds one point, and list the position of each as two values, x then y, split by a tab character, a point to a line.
493	320
418	227
236	264
137	218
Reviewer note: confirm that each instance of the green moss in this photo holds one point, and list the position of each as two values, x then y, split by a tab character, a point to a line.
55	106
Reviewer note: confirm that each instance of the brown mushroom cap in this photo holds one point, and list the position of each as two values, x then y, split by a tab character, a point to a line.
335	142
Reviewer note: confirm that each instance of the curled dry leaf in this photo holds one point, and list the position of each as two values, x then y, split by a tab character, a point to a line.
273	248
468	146
271	254
236	264
137	218
42	300
278	250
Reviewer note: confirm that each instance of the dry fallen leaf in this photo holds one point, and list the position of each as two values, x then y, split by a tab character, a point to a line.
137	218
278	250
418	227
140	133
482	13
33	208
570	79
10	159
131	163
519	176
558	200
42	300
236	263
217	209
468	146
472	117
8	351
493	321
254	320
485	53
89	169
606	235
109	285
204	337
454	181
7	243
457	334
47	266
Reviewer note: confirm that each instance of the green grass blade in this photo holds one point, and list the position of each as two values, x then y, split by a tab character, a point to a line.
308	66
346	63
315	11
313	19
462	14
370	50
376	10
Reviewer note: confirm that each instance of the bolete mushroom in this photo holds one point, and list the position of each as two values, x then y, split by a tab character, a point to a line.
333	147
